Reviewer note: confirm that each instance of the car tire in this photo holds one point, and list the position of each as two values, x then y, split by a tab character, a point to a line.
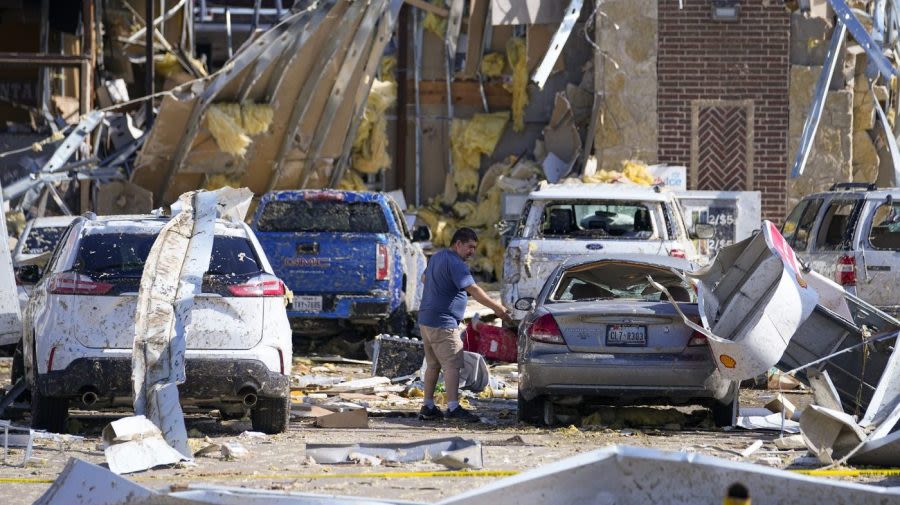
271	415
722	412
531	411
48	413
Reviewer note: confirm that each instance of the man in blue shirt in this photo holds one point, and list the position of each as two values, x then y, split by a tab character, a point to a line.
447	280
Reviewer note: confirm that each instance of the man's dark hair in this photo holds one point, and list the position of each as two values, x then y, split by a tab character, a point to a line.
464	235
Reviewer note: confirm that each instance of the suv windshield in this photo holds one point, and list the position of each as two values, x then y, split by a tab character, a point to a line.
124	254
612	219
885	232
43	239
616	280
323	216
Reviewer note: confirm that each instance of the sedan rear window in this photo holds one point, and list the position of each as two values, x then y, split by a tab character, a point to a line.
611	219
617	280
43	239
124	254
323	216
885	232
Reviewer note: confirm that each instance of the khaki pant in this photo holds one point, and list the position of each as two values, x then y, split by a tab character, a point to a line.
443	347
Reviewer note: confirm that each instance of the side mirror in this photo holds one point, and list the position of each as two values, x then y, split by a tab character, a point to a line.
421	234
703	231
28	274
525	304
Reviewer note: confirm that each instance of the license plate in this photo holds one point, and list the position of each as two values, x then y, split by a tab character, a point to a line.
626	336
307	303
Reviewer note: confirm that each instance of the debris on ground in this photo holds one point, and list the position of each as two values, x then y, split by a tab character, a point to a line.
456	452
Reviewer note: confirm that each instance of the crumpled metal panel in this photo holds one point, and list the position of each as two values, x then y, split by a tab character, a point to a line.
636	476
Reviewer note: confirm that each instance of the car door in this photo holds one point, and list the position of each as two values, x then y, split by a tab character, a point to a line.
878	274
413	259
831	244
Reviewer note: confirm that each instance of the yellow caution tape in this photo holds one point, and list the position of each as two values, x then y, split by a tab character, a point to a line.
372	475
883	472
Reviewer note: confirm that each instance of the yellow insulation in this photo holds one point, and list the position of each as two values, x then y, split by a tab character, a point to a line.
388	68
370	147
471	138
492	64
167	65
434	23
352	181
228	134
218	181
633	172
256	117
441	226
516	55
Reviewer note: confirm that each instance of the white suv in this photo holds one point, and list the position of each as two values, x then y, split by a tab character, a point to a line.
79	325
563	221
852	235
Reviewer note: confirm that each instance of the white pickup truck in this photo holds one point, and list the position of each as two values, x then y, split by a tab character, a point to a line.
591	220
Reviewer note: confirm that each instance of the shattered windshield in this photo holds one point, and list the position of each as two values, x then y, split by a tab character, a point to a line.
885	232
43	239
323	216
612	219
616	280
124	255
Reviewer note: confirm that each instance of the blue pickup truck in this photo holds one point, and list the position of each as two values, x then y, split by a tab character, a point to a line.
348	257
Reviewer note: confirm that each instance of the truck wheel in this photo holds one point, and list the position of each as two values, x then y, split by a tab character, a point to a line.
271	415
531	411
48	413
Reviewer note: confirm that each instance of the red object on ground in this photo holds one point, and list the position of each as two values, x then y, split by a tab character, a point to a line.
492	342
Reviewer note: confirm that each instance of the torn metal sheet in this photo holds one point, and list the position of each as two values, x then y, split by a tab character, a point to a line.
824	393
82	483
526	12
818	104
543	70
765	421
829	434
173	274
883	452
10	312
636	476
133	444
313	69
455	452
853	342
752	299
873	50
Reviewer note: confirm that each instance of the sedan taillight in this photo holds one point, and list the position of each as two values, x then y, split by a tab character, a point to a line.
544	329
263	285
71	283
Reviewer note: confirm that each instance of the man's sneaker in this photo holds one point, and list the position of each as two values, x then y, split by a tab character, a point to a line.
427	413
461	414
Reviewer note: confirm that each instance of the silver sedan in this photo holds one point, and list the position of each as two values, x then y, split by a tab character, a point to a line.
599	332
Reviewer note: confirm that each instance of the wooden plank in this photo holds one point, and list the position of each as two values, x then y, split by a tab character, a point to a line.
464	93
477	22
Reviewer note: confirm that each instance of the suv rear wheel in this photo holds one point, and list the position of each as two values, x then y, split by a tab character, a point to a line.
271	415
48	413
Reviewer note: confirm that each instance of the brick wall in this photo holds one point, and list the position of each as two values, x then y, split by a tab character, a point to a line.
716	63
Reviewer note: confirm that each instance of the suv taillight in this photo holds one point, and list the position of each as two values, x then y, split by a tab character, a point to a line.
845	274
382	262
71	283
544	329
677	253
263	285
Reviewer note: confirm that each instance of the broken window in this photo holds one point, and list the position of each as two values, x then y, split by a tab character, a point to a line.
885	231
836	229
41	240
599	219
616	280
323	216
799	223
